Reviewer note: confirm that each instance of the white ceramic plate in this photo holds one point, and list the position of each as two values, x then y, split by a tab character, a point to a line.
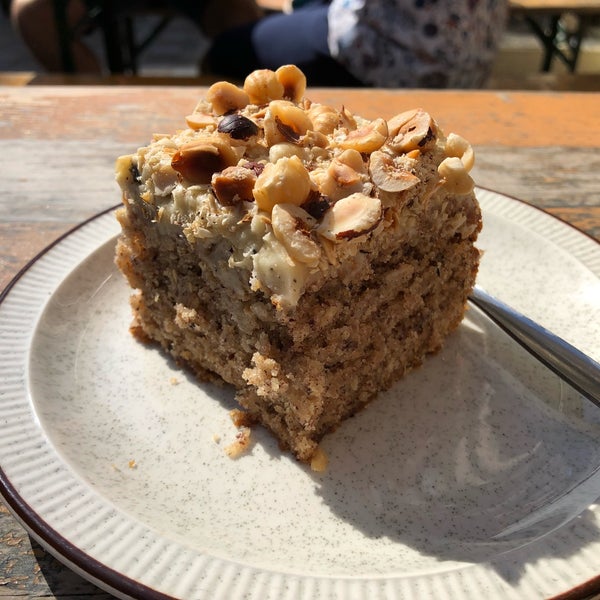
476	476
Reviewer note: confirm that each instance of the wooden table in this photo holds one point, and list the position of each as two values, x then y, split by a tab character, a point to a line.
58	146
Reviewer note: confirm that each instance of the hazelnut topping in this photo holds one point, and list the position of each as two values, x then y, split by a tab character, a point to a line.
295	186
197	161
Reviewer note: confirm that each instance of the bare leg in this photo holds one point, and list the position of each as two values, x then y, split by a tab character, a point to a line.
35	22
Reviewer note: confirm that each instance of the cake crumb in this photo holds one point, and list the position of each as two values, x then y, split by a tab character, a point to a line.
241	443
132	464
319	461
241	418
216	438
174	381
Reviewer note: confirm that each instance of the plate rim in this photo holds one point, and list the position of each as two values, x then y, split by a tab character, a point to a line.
112	580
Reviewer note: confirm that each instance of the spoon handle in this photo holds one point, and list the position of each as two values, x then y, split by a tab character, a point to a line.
576	368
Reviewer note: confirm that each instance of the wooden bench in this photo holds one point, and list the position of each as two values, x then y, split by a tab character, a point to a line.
546	19
116	21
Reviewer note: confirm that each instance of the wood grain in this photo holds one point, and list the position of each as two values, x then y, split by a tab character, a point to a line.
131	114
29	571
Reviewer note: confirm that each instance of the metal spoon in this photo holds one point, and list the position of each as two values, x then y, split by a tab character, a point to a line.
576	368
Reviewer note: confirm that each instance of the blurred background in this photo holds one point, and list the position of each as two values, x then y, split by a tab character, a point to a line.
170	50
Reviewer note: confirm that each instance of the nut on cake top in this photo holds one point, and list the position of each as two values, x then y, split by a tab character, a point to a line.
295	187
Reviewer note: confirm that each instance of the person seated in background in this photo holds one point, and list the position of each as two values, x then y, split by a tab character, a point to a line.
383	43
35	21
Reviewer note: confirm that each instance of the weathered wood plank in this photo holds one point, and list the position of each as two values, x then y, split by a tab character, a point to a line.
73	180
28	571
546	177
20	242
131	114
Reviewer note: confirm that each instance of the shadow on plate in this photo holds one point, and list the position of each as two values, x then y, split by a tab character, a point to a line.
481	452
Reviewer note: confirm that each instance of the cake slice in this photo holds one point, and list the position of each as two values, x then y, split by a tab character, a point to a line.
305	255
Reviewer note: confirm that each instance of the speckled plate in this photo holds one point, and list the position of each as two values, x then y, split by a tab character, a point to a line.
476	476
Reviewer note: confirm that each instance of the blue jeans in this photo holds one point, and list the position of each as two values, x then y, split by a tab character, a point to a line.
298	38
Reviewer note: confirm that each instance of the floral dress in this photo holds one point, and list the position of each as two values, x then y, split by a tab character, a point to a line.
417	43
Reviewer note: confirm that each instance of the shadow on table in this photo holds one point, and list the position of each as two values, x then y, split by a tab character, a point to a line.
61	581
